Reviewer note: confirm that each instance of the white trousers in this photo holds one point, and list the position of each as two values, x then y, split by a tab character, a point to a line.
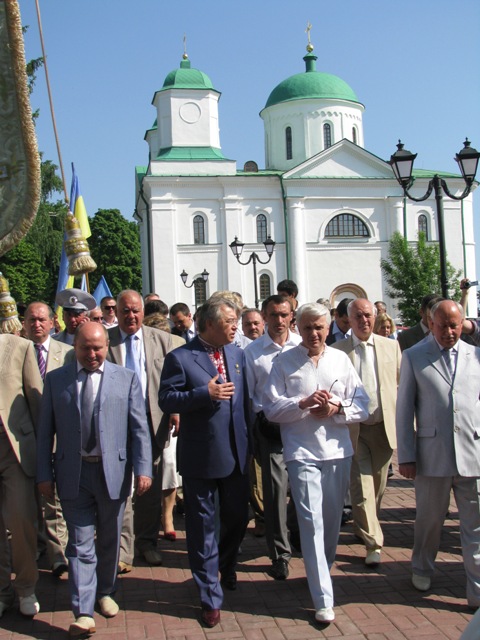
318	490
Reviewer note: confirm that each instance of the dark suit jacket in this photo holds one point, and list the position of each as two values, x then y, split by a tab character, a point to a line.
122	422
157	344
213	435
409	337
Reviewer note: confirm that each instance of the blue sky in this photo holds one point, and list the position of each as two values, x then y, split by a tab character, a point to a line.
413	64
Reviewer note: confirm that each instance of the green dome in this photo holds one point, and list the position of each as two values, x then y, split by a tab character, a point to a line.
311	84
187	78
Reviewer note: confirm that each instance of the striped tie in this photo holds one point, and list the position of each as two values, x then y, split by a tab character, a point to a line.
42	365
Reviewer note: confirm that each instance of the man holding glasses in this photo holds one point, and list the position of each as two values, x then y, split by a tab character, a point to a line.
313	392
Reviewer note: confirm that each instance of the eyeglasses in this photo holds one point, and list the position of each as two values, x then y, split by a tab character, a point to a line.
110	306
345	403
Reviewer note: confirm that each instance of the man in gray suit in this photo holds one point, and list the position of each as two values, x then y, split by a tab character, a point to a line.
96	412
51	354
439	389
143	349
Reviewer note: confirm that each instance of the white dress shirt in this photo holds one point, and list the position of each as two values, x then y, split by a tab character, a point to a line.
258	356
295	376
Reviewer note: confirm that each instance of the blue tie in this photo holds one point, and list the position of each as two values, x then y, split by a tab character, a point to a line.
131	359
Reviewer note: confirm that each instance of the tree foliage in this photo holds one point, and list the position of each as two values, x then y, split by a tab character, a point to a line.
22	266
115	247
412	271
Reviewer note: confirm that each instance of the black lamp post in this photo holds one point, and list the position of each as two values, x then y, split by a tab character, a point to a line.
402	165
203	278
237	247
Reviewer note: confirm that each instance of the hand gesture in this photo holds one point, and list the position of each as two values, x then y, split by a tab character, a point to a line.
222	391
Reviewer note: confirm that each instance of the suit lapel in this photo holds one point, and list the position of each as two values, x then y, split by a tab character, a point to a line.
233	367
115	349
435	358
53	358
201	357
108	383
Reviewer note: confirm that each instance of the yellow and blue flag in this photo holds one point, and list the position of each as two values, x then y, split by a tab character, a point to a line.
77	207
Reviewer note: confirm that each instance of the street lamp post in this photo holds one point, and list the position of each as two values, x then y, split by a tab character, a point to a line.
237	247
402	165
203	278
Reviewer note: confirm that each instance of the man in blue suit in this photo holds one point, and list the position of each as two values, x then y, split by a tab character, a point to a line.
204	381
95	410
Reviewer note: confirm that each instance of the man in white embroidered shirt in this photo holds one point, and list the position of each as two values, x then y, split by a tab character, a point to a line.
313	391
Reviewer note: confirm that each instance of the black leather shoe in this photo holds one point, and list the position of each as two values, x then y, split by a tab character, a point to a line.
279	569
229	581
210	617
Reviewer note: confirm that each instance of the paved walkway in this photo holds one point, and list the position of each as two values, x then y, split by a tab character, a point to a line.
376	604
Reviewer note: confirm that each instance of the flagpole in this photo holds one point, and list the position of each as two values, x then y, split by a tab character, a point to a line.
52	111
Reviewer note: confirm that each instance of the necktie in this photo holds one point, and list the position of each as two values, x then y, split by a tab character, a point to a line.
89	438
131	359
367	375
42	365
447	356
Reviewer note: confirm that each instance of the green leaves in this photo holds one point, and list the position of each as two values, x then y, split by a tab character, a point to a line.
412	270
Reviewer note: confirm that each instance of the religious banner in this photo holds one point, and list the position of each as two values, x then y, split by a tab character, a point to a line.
20	180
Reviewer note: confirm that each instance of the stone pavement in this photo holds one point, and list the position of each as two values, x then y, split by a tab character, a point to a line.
160	603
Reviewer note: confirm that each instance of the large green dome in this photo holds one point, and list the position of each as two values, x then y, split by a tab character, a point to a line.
311	84
187	78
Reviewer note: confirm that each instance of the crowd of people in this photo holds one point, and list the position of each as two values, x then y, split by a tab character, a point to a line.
291	412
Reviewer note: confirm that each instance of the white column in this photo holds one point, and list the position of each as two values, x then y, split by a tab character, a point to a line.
297	248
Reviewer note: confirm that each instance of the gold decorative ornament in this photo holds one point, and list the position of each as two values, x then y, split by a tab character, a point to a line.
9	322
76	248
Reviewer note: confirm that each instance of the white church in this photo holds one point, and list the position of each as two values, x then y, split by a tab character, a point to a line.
328	203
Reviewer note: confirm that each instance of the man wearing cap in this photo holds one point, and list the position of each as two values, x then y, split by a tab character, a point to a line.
76	304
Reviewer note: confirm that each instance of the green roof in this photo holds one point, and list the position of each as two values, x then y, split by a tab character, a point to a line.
187	78
311	84
190	153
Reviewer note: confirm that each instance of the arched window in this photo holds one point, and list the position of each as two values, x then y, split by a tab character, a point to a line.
261	228
198	230
346	225
327	136
200	289
423	225
265	286
288	142
354	135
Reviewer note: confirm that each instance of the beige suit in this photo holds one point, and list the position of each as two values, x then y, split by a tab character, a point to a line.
20	396
148	507
373	444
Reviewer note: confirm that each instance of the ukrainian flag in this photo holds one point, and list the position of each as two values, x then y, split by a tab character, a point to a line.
77	207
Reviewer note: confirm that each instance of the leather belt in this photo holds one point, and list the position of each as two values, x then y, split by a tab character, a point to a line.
91	459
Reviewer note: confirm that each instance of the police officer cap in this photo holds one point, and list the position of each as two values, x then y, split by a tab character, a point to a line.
75	299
